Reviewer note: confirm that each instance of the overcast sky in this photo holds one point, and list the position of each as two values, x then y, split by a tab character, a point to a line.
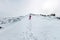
24	7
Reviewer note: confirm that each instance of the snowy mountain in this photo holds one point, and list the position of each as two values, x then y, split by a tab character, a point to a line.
39	27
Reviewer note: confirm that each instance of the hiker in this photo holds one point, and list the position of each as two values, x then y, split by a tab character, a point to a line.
29	17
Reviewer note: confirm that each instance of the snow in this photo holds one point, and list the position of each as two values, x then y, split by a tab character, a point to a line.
10	20
38	28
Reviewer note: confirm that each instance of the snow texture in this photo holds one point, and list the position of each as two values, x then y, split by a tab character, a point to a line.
38	28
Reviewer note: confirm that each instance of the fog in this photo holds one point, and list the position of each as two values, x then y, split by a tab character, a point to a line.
24	7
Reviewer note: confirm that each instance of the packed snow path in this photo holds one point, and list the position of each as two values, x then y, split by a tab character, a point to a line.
38	28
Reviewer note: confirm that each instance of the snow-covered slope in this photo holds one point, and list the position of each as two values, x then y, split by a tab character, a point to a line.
7	20
46	28
38	28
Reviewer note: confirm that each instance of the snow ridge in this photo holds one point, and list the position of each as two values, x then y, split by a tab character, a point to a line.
15	19
10	20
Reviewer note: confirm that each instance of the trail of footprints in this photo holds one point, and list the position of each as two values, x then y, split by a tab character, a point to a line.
28	36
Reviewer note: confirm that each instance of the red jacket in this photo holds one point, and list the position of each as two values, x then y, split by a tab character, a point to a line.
30	17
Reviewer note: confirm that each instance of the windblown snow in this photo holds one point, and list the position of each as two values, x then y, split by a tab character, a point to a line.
38	28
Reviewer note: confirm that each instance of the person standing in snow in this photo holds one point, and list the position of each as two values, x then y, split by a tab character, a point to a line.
30	17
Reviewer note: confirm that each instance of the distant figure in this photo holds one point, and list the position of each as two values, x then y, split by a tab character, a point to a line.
29	17
52	14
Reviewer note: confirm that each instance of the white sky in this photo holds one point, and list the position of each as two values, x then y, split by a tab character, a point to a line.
23	7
